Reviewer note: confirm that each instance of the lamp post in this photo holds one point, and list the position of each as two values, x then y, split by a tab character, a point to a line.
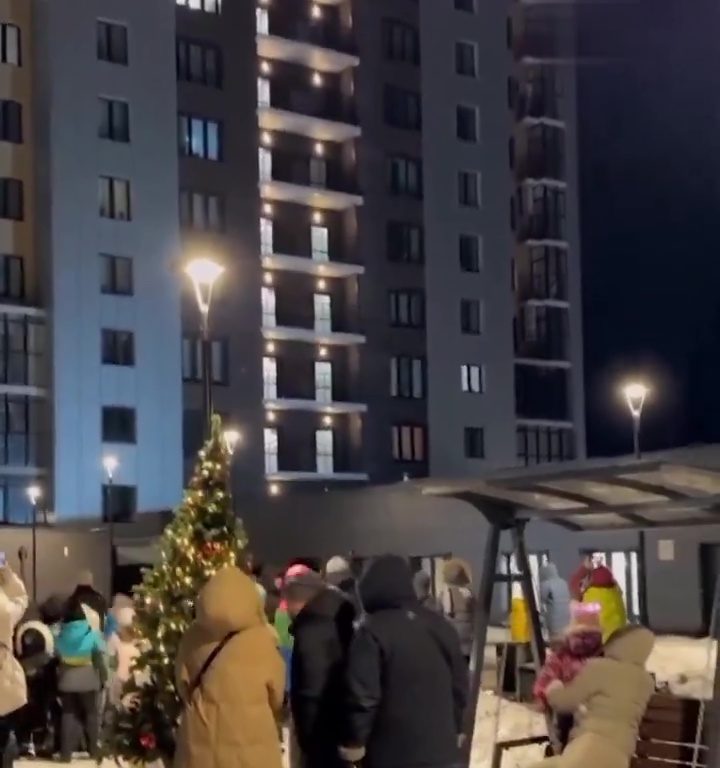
110	464
34	493
204	273
635	396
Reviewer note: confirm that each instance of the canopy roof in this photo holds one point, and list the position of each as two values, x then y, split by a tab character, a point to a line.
669	489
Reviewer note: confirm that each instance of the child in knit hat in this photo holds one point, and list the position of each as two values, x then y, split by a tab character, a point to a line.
583	641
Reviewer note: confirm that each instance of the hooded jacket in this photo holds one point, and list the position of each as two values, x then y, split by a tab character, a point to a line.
554	599
615	690
604	591
323	631
230	718
406	680
13	603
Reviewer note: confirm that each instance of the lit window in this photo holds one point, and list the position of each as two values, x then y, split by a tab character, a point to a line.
324	453
270	378
266	235
265	164
323	381
408	443
323	313
472	378
320	243
270	442
268	307
10	44
263	88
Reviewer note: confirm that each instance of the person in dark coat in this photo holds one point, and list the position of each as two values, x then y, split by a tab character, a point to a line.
407	681
86	594
322	628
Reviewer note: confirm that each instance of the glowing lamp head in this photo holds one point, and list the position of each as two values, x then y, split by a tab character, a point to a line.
34	493
231	438
635	395
204	273
110	464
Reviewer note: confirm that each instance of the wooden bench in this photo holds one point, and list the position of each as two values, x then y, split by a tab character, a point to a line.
667	737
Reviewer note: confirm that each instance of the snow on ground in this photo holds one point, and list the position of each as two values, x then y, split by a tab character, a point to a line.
685	664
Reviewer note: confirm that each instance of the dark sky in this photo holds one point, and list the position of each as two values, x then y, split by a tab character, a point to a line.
650	216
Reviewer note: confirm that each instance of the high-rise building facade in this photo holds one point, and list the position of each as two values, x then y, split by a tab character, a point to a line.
391	190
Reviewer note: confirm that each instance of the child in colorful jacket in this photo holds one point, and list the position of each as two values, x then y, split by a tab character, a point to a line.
582	642
603	590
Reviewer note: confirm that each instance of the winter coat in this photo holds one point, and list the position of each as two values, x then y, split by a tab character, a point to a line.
80	650
406	680
323	631
578	581
604	591
565	663
230	718
457	602
13	604
93	599
614	691
554	600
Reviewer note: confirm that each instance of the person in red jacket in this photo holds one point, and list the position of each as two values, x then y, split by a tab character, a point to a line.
580	579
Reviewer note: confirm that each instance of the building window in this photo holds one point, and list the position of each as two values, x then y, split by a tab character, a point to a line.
408	443
470	250
112	42
263	90
266	235
474	443
323	381
407	377
116	275
12	278
207	6
199	137
270	444
407	309
469	189
320	243
541	445
264	164
11	199
114	198
323	313
405	242
192	360
118	424
270	378
324	452
405	176
10	45
466	58
472	378
401	42
119	503
199	63
625	567
468	6
269	318
118	347
471	316
467	121
22	350
114	121
507	565
402	108
262	21
201	211
10	121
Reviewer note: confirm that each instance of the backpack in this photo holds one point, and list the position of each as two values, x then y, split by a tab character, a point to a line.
13	686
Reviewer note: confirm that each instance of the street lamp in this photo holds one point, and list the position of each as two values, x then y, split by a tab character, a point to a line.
231	438
204	273
110	464
34	492
635	395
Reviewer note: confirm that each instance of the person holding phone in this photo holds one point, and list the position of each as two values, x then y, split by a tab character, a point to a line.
13	689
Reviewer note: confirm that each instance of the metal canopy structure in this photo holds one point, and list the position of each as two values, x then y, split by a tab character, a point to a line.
673	489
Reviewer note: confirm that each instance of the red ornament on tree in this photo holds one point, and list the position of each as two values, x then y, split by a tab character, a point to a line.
148	741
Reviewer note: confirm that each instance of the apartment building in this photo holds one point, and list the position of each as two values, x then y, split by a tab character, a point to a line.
390	188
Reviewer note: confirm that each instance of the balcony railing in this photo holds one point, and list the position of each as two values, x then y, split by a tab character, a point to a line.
324	32
319	103
540	226
542	286
541	162
305	172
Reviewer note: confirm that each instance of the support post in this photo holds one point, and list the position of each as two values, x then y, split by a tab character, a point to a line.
483	607
537	640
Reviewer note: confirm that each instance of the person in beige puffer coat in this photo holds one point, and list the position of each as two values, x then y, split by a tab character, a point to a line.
230	719
608	697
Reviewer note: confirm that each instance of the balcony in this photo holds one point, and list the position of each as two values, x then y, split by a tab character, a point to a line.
541	336
310	266
314	335
540	154
319	114
329	407
536	97
317	477
318	44
541	276
542	394
308	181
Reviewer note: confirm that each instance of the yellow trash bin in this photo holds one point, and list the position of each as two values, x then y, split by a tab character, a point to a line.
519	620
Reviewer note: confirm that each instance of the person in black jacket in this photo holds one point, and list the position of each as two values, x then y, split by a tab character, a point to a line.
322	627
407	681
86	594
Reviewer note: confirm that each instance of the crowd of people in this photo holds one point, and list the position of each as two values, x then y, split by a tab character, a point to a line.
369	671
60	662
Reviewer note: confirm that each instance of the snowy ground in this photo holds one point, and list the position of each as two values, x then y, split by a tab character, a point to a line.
686	665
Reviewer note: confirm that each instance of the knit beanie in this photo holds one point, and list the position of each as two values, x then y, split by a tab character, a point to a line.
337	570
584	617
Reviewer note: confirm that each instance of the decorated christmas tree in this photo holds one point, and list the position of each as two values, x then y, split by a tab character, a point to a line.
203	537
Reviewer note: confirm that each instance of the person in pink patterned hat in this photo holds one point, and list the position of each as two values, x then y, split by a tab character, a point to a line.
583	641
